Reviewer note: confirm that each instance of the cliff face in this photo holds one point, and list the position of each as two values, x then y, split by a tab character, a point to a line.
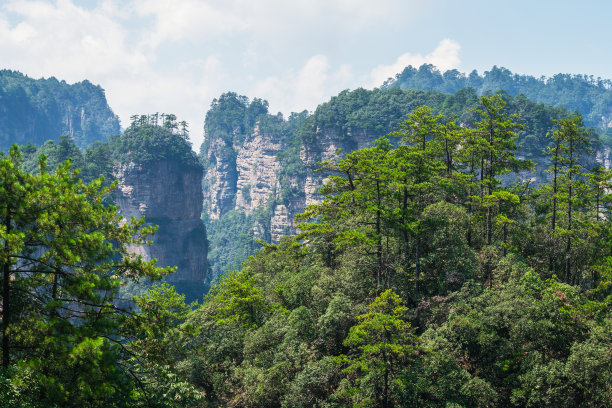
260	170
257	170
250	176
220	179
168	195
37	110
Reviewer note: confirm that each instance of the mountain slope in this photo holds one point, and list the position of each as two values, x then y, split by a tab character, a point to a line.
592	97
261	170
36	110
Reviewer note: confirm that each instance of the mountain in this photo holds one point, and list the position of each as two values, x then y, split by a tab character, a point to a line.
160	178
261	169
590	96
37	110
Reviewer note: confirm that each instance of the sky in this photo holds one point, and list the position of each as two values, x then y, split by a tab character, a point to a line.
176	56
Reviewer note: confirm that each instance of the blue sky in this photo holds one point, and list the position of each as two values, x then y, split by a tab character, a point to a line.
176	56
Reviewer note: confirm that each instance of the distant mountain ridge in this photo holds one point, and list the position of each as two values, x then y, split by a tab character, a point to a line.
590	96
37	110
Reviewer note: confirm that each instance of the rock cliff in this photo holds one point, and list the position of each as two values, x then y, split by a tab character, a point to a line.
37	110
261	170
251	176
169	195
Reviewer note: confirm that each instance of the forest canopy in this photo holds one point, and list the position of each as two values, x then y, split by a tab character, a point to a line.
590	96
64	255
34	111
422	280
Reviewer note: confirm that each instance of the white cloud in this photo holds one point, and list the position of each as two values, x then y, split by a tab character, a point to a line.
207	20
73	43
65	40
444	57
176	56
306	88
189	19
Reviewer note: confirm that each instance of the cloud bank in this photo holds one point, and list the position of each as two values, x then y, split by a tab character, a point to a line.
175	57
444	57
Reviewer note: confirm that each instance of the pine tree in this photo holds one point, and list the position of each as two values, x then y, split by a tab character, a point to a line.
64	255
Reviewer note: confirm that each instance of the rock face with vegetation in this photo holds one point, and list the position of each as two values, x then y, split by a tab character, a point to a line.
265	166
39	110
164	186
261	169
421	279
159	178
170	197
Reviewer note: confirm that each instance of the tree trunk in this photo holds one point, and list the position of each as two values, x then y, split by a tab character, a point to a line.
6	305
490	177
378	235
405	236
554	209
568	245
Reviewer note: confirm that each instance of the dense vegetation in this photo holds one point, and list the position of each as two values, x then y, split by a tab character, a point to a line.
63	257
39	110
592	97
370	112
379	111
422	281
146	141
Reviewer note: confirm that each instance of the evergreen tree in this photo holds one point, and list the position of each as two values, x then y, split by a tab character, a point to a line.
64	254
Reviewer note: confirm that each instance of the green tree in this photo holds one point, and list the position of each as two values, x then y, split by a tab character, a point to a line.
357	204
417	165
571	142
155	338
382	346
63	256
600	181
499	131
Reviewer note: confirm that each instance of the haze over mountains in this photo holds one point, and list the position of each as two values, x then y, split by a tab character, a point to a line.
34	111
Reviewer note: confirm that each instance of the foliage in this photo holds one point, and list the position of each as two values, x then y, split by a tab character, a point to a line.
384	343
64	255
518	340
422	279
230	118
38	110
145	142
230	242
592	97
349	120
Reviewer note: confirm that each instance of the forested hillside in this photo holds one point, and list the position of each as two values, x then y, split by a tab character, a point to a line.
262	169
156	175
592	97
405	248
37	110
421	280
